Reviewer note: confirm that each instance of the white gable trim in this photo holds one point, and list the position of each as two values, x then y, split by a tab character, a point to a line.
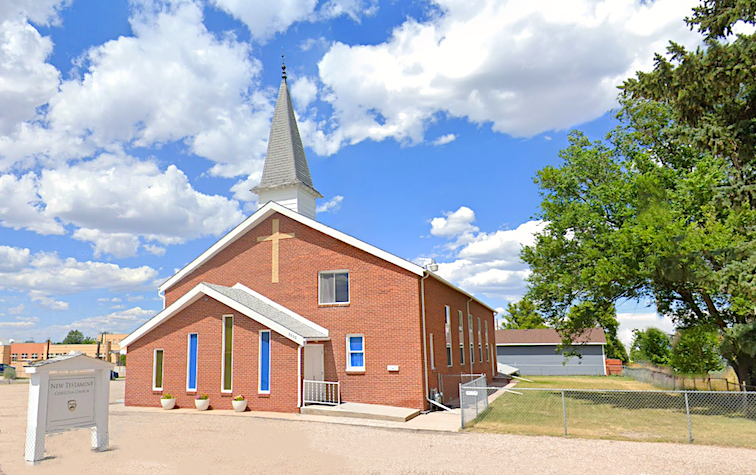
266	211
194	295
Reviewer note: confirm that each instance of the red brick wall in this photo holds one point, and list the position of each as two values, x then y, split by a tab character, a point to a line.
204	317
384	306
438	295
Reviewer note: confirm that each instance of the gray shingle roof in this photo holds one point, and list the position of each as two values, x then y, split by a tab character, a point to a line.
265	309
285	161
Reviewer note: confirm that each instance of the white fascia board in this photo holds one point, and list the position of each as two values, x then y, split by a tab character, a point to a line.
267	210
446	282
294	315
185	300
577	343
191	297
261	319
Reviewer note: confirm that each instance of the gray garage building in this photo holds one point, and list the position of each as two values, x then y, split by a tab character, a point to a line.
535	352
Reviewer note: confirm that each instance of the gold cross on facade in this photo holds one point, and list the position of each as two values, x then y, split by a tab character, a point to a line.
274	238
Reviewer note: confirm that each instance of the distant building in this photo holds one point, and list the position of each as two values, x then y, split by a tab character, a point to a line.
20	354
535	352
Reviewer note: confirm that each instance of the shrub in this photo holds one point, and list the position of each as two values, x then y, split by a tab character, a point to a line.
202	397
168	396
240	397
10	373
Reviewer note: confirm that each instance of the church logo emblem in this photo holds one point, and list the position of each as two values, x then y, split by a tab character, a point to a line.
72	405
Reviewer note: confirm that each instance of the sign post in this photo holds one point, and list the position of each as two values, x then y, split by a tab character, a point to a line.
68	392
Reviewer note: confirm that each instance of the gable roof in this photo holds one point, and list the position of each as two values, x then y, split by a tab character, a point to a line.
547	336
247	302
272	207
285	161
263	213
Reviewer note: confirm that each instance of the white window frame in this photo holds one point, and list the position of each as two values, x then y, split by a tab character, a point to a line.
448	337
480	342
188	348
432	357
462	338
349	286
223	354
472	339
349	367
154	369
488	352
259	362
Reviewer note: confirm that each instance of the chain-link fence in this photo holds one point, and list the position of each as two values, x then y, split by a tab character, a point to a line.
707	417
473	399
661	379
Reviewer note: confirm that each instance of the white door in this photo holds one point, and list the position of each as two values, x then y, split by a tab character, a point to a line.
314	369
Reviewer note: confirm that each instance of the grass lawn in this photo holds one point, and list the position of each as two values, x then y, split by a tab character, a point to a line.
584	382
716	419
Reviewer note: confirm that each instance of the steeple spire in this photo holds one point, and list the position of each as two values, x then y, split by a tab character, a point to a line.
286	177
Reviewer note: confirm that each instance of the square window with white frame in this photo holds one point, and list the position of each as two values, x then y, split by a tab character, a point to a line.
355	352
333	287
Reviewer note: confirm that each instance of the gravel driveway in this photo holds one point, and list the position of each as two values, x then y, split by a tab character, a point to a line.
171	443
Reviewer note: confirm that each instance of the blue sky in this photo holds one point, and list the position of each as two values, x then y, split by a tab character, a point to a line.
131	132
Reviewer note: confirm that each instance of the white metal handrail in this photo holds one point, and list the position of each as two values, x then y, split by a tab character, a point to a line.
321	392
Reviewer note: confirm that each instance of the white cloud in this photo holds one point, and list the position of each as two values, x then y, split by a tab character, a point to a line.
304	91
22	324
330	206
13	259
41	12
46	301
484	263
265	18
154	250
22	208
17	310
454	224
631	321
444	139
49	274
118	202
520	66
173	80
123	321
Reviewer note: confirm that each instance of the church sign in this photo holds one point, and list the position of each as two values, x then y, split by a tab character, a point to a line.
67	392
70	403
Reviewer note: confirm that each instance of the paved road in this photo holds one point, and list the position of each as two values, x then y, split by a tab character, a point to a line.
174	443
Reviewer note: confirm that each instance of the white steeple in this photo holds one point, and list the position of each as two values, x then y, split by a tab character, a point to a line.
286	177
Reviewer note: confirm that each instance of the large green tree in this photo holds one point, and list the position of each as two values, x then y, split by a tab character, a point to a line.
651	345
522	315
696	350
663	210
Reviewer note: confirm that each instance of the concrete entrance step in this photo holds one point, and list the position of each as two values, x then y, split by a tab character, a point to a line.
362	411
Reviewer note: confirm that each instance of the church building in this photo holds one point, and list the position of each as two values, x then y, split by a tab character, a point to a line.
288	311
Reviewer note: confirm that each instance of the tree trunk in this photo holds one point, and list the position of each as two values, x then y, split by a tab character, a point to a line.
745	370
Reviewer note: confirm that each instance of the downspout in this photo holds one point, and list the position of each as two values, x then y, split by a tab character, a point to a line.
299	376
426	274
472	342
425	347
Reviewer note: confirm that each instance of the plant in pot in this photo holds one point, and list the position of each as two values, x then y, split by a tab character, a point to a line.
240	404
202	401
168	401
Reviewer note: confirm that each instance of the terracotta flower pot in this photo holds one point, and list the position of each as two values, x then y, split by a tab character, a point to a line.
202	404
168	403
240	406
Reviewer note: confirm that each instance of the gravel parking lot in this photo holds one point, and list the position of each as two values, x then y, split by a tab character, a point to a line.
177	443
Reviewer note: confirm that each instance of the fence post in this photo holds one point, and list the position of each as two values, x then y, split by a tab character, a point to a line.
687	411
564	413
461	407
